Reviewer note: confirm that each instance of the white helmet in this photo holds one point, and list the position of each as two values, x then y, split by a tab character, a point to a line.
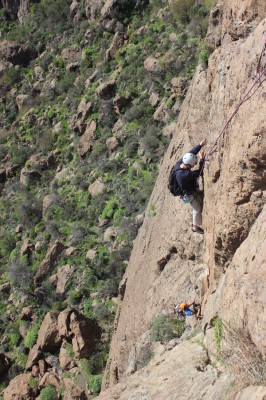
190	158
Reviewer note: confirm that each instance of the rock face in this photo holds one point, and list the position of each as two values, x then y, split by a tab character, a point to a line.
48	263
48	338
225	269
86	140
19	388
15	53
160	379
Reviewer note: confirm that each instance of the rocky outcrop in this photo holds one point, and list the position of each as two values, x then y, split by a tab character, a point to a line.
160	379
96	187
62	278
169	263
107	89
16	53
87	139
85	332
20	388
72	391
48	337
49	261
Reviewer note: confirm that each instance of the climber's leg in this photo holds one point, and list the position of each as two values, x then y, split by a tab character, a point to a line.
196	203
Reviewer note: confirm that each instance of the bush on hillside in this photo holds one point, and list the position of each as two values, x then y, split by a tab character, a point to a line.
164	329
48	393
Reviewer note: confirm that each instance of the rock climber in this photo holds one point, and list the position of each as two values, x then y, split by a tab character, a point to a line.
184	309
187	180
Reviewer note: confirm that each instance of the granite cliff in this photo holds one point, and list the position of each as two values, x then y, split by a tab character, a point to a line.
226	269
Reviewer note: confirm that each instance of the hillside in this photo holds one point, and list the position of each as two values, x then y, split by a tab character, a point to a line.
98	100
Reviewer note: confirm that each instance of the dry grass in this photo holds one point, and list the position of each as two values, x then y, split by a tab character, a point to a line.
242	357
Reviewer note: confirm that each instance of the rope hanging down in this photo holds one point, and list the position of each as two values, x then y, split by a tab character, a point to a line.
260	73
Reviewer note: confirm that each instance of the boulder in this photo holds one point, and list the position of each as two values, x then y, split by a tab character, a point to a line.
71	54
49	261
23	100
19	388
153	66
48	336
29	176
96	187
19	228
48	89
71	251
92	8
120	103
63	323
112	143
85	333
107	90
163	113
72	391
27	313
16	53
154	99
109	234
90	255
117	8
73	67
49	201
63	276
5	287
65	360
87	139
42	367
26	248
4	364
112	25
83	111
117	42
34	356
180	86
50	378
38	162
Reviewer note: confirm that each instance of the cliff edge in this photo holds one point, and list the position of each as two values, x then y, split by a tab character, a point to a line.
225	269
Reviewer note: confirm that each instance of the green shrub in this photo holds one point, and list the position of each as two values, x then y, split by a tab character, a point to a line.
164	329
218	333
95	384
182	10
48	393
31	336
74	296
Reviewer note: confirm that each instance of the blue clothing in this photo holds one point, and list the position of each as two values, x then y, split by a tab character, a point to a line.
188	313
186	178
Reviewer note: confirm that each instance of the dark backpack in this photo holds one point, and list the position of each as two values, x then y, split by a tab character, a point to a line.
173	185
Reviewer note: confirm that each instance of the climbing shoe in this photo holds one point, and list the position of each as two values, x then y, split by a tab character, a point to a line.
198	230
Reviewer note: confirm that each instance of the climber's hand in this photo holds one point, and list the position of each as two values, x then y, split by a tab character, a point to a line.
203	142
202	154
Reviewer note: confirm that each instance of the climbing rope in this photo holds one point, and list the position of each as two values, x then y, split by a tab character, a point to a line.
259	73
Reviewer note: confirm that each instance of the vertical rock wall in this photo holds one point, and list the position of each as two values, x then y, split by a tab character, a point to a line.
225	268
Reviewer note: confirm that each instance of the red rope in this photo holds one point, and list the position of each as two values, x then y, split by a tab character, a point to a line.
260	73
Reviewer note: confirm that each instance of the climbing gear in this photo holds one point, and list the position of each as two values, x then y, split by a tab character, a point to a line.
173	185
185	199
259	73
190	158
